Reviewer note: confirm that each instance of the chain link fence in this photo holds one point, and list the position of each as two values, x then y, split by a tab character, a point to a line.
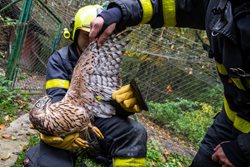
169	66
8	26
165	64
28	43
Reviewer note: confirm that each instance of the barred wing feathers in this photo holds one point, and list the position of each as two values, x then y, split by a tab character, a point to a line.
95	75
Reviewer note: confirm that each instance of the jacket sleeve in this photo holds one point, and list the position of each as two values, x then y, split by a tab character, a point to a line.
243	142
238	151
57	79
159	13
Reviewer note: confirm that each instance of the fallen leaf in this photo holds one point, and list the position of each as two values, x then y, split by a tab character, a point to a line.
165	151
31	126
6	136
7	118
5	157
13	138
2	127
20	103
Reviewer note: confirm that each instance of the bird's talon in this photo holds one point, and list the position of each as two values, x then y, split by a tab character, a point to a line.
97	132
82	143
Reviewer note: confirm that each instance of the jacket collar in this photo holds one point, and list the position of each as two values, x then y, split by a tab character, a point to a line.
73	54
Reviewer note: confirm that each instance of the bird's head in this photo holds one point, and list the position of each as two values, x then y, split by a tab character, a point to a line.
42	102
38	112
40	106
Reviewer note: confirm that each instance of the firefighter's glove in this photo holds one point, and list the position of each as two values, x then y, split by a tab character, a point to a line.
125	97
70	142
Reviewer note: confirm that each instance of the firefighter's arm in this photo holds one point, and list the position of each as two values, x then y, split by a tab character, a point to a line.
119	15
168	13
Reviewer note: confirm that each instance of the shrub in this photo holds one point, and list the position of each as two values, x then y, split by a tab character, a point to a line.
10	100
195	124
160	157
187	118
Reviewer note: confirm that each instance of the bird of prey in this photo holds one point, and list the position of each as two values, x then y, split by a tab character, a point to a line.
95	77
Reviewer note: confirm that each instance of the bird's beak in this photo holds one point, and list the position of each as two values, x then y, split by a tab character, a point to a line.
48	99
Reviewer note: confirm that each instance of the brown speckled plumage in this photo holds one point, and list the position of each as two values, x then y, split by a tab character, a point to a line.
96	74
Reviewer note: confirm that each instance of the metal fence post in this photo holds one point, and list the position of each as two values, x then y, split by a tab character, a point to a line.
18	40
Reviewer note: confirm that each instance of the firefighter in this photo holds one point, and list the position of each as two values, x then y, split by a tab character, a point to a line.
227	23
124	142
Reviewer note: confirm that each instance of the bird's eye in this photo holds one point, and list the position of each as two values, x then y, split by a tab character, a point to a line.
38	105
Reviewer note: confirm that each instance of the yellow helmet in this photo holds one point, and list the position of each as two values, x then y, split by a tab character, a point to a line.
83	18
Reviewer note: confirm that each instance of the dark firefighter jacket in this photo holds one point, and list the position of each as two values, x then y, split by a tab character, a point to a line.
227	23
59	71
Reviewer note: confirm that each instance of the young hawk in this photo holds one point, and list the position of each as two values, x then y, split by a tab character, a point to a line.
95	77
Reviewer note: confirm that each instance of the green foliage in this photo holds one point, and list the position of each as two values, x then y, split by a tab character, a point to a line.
33	140
167	113
175	160
88	162
214	96
7	107
2	54
187	118
7	21
195	124
154	156
10	100
160	157
22	76
20	159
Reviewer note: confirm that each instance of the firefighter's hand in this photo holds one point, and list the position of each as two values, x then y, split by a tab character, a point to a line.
97	26
220	157
70	142
125	97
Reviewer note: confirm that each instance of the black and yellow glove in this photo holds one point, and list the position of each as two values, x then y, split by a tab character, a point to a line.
70	142
130	99
125	97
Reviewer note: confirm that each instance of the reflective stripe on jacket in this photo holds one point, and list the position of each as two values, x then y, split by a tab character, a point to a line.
59	71
236	91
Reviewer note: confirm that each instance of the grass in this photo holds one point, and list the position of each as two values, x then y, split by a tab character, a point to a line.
12	102
187	119
160	157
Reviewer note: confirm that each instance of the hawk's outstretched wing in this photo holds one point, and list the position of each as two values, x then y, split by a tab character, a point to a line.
95	77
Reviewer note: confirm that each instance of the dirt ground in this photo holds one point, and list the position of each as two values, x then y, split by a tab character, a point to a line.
14	139
165	139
